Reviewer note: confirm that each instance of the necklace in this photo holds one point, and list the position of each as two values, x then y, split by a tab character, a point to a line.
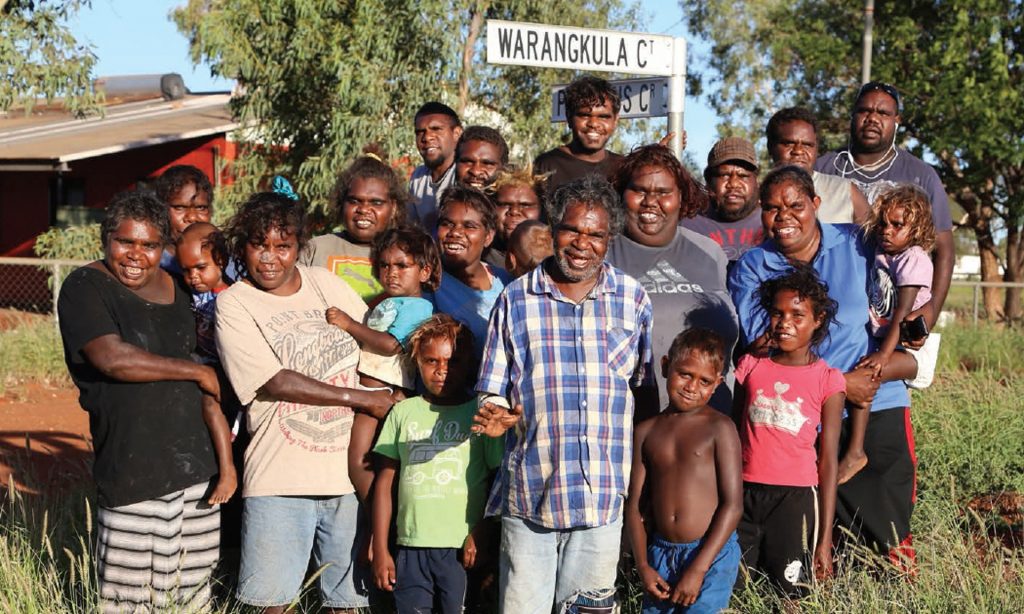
850	166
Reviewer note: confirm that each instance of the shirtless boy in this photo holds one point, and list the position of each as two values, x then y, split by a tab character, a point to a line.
686	482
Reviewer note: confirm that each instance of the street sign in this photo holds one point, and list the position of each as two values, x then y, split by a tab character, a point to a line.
530	44
638	98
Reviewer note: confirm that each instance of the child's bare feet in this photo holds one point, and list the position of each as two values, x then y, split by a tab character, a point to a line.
851	463
226	486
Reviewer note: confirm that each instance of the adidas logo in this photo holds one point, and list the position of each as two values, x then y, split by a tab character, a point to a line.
665	279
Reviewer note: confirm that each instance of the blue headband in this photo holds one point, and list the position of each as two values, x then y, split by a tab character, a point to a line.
282	187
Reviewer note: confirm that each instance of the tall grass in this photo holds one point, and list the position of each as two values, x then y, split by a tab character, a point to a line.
31	351
969	430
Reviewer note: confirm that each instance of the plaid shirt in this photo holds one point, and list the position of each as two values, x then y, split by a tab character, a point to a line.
571	367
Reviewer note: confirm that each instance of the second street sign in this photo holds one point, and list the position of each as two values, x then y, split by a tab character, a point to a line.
638	98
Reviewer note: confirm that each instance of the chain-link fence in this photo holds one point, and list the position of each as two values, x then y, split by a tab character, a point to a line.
32	284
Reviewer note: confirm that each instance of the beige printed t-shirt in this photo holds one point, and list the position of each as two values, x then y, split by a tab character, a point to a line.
296	449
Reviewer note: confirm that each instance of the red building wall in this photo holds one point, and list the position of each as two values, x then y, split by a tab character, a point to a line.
25	195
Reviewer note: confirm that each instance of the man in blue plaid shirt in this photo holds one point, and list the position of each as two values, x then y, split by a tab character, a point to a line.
567	346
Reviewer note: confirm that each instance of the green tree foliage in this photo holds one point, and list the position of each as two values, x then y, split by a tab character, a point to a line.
958	63
70	243
323	78
40	58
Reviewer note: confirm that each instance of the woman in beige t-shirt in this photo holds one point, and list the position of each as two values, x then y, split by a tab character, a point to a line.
297	374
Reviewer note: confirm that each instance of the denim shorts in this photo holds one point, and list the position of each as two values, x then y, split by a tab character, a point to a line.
573	569
278	536
671	559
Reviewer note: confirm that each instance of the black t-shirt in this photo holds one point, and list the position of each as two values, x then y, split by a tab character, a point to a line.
149	438
565	168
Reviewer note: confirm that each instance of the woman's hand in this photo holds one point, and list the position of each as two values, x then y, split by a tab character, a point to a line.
206	377
876	361
861	386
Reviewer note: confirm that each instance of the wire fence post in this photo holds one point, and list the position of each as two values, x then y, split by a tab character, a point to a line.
977	290
57	279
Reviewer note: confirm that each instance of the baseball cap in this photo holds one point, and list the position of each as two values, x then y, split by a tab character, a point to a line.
732	149
879	86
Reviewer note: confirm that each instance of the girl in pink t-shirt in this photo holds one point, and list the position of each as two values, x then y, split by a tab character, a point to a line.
782	398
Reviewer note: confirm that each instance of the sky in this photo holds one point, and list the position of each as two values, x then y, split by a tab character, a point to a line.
137	37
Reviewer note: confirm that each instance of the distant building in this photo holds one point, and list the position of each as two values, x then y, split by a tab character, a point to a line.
968	266
58	170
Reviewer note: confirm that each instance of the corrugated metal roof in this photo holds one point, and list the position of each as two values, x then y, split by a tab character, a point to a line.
59	138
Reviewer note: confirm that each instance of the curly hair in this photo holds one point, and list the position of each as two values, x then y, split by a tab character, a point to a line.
701	340
589	92
487	135
593	191
177	177
787	174
693	197
372	167
804	281
441	326
784	116
138	206
412	240
472	198
516	177
263	212
917	214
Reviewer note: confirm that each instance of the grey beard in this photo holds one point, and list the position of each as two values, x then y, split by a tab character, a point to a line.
572	275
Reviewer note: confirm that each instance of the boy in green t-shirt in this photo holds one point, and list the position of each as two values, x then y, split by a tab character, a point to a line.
443	471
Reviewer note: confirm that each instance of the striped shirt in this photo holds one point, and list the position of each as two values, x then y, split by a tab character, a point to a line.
571	367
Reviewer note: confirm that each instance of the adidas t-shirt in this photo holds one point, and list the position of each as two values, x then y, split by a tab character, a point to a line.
686	282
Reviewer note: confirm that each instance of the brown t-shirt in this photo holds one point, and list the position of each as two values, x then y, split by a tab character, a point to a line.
296	449
565	167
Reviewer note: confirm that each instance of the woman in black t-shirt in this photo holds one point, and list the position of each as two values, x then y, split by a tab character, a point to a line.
128	333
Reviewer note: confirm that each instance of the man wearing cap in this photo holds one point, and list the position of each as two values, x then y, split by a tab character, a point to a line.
874	162
733	220
437	129
793	139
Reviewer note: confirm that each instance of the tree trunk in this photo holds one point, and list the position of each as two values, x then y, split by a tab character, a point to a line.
476	23
1012	273
979	216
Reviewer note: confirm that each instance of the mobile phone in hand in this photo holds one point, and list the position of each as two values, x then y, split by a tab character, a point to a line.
914	330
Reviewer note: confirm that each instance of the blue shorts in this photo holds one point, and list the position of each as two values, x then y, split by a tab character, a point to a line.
278	536
423	574
670	559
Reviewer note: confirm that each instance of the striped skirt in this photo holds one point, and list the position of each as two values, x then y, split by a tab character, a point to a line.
159	554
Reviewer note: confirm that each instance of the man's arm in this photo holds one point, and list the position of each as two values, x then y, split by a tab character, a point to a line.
861	207
945	256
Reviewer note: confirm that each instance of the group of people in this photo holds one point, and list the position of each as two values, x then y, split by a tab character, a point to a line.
488	374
